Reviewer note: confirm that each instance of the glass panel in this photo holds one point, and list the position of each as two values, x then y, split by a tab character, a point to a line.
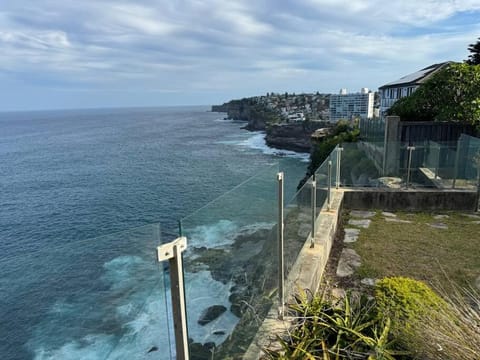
92	299
432	164
298	224
467	171
372	130
357	168
432	159
231	266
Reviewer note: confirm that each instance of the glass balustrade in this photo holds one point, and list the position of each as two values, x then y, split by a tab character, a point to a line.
99	298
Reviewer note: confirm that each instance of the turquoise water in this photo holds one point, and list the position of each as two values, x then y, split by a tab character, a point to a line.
77	282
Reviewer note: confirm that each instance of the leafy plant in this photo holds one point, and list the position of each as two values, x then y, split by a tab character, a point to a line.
348	328
451	94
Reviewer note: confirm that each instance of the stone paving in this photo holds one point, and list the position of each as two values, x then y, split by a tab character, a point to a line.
351	235
363	223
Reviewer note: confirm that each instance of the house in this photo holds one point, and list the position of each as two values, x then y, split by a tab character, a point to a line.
405	86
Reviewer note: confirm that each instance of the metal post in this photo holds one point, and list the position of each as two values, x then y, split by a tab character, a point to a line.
410	151
477	204
339	163
314	210
329	180
173	253
280	227
455	169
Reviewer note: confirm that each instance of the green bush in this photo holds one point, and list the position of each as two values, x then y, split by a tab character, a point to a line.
406	301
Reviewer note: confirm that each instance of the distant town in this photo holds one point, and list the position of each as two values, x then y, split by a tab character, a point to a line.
287	108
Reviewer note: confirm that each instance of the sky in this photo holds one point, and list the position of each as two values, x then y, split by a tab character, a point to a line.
58	54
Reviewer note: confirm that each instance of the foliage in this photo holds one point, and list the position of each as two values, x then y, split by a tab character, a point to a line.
474	57
451	94
346	329
406	300
451	334
342	132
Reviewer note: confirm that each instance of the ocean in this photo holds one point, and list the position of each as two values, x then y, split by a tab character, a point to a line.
85	197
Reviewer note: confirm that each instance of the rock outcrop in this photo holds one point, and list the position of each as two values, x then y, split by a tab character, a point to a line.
295	137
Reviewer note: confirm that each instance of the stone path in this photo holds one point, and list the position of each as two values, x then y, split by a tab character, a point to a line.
351	235
363	223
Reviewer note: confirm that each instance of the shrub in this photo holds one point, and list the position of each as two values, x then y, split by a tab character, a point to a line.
345	329
404	299
408	302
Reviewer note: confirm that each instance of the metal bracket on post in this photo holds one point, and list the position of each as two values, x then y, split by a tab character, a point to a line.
314	210
410	151
280	227
329	181
173	253
339	163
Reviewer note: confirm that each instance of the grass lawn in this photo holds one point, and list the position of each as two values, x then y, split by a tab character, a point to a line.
420	251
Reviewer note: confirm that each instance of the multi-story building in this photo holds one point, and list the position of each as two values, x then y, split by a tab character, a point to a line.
405	86
347	106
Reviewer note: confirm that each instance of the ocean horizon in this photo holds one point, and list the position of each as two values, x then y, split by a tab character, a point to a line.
86	196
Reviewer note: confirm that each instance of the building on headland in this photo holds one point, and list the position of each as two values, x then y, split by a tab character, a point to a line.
405	86
348	106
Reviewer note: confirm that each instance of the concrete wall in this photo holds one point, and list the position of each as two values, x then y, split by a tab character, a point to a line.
410	200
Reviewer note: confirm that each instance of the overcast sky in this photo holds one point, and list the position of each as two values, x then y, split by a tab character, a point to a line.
109	53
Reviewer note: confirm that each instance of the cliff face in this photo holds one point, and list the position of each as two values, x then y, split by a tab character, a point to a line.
295	137
256	115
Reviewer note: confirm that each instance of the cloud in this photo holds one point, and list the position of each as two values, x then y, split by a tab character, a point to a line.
191	46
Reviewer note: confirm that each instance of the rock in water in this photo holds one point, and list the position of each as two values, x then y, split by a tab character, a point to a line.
154	348
211	314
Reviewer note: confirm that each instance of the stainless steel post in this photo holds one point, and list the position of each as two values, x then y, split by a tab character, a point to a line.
329	180
173	253
455	169
339	164
478	191
280	227
314	210
410	151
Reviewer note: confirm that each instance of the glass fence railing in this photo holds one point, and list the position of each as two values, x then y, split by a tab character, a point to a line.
101	298
298	224
425	164
372	130
230	266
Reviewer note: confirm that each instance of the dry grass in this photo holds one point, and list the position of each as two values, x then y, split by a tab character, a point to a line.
420	251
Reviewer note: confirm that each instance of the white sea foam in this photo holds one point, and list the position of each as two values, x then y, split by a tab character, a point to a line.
201	292
257	142
213	236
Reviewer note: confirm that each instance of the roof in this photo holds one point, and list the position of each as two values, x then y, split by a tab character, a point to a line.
417	77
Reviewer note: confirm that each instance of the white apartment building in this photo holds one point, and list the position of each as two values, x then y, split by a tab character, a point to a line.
405	86
347	106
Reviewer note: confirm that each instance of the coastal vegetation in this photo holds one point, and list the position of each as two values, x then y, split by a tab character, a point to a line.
342	132
452	94
403	319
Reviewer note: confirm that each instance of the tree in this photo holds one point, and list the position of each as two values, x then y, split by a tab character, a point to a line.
452	94
474	57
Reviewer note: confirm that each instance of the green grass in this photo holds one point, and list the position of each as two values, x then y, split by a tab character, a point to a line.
419	251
